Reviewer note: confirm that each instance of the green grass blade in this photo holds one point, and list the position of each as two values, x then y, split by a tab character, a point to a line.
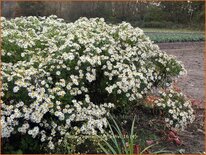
109	146
147	148
162	151
103	148
131	140
120	135
114	139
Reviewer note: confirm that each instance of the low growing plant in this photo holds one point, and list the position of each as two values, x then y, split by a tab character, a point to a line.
120	142
178	111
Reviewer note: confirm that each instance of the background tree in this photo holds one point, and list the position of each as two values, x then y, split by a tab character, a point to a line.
143	14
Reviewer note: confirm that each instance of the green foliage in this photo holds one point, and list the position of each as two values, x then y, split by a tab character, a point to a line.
159	37
157	24
183	14
32	8
120	143
25	144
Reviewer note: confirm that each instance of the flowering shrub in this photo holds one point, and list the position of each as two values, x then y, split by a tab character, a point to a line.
177	107
62	79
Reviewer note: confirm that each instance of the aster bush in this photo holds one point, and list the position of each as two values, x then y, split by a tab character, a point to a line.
177	108
63	79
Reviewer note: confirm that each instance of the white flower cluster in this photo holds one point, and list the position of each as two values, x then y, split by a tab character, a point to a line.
63	77
178	109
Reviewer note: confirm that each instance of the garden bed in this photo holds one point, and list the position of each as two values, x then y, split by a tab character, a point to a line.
63	87
164	35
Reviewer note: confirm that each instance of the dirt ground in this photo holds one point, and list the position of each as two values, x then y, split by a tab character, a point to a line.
192	56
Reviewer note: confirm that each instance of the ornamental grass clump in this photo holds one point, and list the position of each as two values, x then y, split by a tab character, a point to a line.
62	79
